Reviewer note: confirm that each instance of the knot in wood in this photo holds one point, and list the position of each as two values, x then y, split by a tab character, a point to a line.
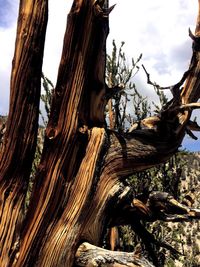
51	133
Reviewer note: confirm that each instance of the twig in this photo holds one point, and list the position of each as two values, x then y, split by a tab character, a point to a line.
175	89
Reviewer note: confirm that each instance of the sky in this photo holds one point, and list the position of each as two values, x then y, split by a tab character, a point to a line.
157	29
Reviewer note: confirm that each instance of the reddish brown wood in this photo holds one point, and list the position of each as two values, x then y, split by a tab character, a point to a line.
18	149
66	177
82	163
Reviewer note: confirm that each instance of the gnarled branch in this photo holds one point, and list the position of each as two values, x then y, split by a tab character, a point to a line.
157	206
91	256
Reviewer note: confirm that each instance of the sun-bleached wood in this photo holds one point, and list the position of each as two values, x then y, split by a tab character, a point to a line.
91	256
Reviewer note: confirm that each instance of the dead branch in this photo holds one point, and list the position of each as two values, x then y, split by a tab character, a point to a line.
193	126
149	80
155	206
171	87
149	240
92	256
185	107
166	208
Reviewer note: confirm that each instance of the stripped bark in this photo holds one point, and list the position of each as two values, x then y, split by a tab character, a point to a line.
17	151
54	224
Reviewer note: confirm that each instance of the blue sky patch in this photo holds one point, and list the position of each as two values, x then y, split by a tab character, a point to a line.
6	14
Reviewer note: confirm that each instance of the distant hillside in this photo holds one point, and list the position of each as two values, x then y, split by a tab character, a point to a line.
2	120
186	235
2	127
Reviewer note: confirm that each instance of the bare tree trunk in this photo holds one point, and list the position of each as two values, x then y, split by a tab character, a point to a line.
72	155
18	149
83	163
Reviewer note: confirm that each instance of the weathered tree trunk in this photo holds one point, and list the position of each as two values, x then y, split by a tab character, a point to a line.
83	163
18	149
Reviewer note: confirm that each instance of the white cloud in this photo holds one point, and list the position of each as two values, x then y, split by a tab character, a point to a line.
7	47
157	29
5	81
58	11
56	26
154	28
7	37
8	9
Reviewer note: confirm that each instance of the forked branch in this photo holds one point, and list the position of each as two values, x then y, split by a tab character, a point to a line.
157	206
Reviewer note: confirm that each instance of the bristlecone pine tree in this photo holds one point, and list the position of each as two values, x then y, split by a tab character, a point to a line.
78	189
